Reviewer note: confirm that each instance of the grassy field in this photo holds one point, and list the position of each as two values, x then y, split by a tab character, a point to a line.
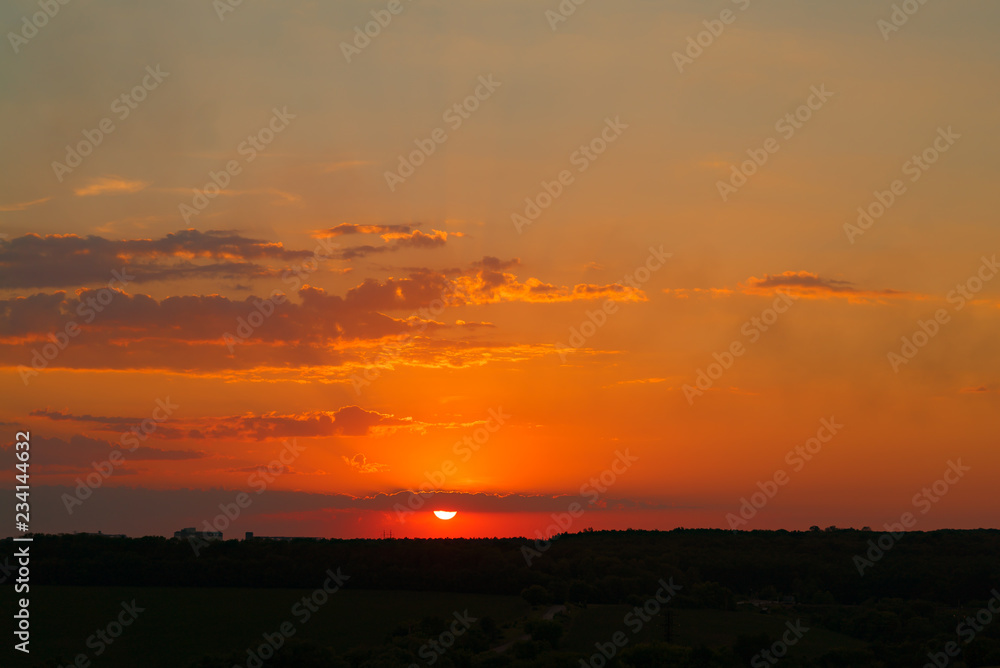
714	628
178	625
718	627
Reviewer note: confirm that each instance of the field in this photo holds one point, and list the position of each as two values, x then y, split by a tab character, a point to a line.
179	625
691	628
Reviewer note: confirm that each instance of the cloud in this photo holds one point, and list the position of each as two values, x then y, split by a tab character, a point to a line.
809	285
346	421
397	237
108	423
329	333
110	184
798	284
53	260
350	228
641	381
323	338
79	453
484	502
418	239
21	206
142	512
360	464
491	282
401	241
982	389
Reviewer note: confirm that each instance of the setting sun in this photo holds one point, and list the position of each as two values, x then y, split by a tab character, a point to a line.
445	514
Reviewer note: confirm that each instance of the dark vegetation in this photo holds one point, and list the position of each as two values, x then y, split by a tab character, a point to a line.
739	593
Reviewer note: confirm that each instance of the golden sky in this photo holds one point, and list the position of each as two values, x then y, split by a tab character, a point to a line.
500	251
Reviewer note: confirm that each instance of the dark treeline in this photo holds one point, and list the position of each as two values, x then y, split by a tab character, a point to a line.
950	567
904	608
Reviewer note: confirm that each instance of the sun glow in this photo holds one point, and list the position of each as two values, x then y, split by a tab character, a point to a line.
445	514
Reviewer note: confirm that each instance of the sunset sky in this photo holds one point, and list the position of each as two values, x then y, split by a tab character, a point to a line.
488	225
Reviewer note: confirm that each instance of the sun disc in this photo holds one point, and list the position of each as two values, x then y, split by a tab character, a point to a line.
445	514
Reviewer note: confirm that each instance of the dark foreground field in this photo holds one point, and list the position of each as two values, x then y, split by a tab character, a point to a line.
630	599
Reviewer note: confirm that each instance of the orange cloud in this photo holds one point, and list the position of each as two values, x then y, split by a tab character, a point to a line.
799	284
21	206
33	260
346	421
398	237
360	464
812	286
491	283
110	184
344	229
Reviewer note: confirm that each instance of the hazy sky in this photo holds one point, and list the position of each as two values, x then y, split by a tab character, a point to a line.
566	220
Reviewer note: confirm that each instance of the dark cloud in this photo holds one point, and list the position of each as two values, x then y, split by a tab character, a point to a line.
199	333
108	423
57	260
806	284
346	421
140	512
81	453
401	241
350	228
361	464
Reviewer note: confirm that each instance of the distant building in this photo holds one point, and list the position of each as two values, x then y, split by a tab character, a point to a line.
189	532
250	536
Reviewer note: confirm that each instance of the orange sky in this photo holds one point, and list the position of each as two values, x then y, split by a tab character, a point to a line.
498	254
